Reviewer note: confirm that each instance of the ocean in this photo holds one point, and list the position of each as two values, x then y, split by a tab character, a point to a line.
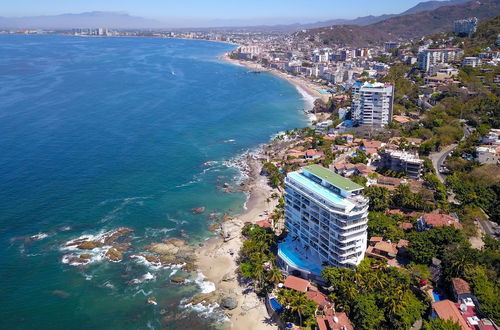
102	133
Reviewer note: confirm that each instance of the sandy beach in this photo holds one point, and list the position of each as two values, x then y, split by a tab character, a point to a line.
216	263
309	87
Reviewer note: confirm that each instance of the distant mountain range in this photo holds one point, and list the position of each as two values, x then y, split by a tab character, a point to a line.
112	20
404	27
117	20
367	20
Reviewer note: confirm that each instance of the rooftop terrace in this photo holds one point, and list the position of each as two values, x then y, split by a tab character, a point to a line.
332	178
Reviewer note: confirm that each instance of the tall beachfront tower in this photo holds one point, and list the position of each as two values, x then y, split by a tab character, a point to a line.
372	103
326	216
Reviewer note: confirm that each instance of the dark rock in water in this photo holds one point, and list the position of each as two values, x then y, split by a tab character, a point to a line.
178	280
61	293
198	210
213	216
85	256
226	185
77	260
114	255
89	245
229	302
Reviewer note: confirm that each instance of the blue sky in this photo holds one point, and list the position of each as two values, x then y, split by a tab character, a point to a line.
283	10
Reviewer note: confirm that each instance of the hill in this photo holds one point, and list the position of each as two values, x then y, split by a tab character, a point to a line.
404	27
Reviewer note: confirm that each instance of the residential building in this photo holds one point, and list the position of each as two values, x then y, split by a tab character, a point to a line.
431	220
446	310
487	155
402	161
391	45
432	57
334	320
493	137
471	61
465	27
463	313
461	289
372	104
326	217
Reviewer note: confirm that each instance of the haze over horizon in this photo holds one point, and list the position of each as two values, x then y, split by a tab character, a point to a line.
199	13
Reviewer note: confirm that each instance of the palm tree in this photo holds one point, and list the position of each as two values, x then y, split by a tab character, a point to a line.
299	304
274	275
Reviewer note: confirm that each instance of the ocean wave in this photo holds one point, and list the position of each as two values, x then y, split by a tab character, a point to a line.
306	97
39	236
144	278
205	286
143	261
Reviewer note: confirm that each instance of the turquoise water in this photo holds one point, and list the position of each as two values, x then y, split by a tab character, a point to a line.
100	133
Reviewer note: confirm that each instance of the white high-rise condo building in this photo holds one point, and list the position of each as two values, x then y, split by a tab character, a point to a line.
326	216
432	57
465	27
372	104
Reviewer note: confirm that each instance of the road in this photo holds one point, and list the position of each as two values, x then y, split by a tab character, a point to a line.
438	159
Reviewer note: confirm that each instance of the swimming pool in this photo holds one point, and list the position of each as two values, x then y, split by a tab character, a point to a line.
438	295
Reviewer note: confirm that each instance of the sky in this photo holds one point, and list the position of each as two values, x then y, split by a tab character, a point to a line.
282	11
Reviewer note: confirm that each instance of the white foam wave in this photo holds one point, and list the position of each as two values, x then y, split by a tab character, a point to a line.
144	278
143	261
306	97
39	236
146	294
205	286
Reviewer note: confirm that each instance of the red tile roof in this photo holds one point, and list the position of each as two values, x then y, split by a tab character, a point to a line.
372	144
446	310
441	220
461	286
264	223
296	283
334	321
406	226
318	297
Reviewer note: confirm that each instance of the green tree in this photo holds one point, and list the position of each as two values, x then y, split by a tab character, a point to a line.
439	324
379	197
366	314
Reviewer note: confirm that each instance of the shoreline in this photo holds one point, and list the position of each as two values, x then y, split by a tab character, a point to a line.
298	81
220	267
214	260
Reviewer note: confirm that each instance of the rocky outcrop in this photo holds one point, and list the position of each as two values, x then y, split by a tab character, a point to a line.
205	299
178	280
229	302
114	254
173	251
198	210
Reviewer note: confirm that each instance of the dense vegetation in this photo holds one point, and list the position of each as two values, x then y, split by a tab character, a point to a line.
376	296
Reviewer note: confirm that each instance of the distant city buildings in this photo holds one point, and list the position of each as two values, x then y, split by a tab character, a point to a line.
471	61
326	216
429	58
388	46
465	27
372	103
